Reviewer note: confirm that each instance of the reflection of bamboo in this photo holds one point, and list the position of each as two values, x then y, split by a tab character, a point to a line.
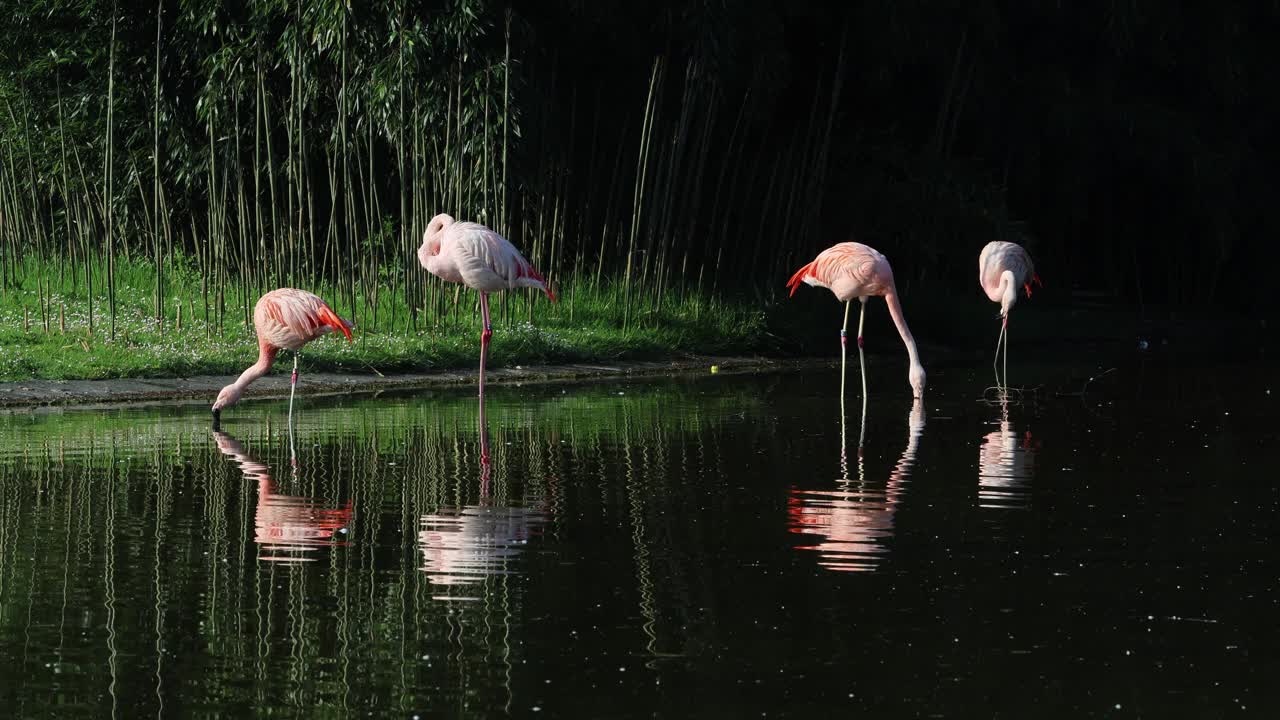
109	572
160	512
855	521
638	540
66	569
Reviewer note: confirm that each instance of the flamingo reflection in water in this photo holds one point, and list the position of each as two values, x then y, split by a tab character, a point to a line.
856	519
1006	463
289	528
464	545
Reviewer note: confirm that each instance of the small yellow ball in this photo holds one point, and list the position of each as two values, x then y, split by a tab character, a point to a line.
715	369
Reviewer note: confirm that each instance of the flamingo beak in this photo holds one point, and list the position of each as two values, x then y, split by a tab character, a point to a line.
217	419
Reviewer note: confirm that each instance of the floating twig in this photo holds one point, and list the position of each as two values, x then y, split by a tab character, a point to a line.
1085	388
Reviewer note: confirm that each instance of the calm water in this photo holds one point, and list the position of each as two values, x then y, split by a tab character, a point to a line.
710	547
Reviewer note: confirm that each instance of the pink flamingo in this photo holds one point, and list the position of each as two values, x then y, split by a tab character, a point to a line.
284	319
1002	267
475	256
853	270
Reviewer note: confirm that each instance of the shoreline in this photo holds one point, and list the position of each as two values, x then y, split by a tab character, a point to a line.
35	394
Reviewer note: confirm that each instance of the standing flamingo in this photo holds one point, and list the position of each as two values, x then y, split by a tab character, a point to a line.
853	270
284	319
475	256
1002	267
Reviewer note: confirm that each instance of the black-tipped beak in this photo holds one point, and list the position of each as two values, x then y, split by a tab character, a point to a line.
217	418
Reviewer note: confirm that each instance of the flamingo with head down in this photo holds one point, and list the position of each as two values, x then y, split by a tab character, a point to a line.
853	270
1002	268
284	319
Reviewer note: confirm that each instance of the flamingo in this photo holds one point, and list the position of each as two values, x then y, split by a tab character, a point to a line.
1002	267
284	319
475	256
853	270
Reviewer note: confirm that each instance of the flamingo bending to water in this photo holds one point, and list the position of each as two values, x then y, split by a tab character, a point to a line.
1002	267
853	270
475	256
284	319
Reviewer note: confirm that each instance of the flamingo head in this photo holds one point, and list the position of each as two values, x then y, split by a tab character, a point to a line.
432	237
230	395
917	379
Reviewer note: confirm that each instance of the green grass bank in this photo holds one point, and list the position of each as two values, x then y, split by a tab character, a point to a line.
46	329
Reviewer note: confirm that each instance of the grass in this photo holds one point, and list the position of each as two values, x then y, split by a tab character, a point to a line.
586	325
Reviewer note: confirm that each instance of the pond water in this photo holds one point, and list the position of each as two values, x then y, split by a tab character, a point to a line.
726	546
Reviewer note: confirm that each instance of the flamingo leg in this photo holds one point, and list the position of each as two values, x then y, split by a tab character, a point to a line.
862	363
995	363
844	343
1004	330
293	385
862	315
484	338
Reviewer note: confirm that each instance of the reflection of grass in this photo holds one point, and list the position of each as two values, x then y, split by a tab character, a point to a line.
606	409
586	325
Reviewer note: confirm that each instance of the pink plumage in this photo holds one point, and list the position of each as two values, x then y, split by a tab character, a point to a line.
848	269
473	255
287	319
998	258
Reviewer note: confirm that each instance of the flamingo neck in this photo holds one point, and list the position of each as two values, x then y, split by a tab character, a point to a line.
266	356
1008	291
895	310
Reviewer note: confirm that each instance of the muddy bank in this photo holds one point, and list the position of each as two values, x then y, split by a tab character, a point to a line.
203	388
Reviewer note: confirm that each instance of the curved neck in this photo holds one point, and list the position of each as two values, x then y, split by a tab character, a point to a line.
895	310
266	356
1008	290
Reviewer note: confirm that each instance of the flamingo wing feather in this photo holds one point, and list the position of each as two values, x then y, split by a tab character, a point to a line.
489	262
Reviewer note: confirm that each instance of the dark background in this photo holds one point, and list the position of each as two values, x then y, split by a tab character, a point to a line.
1131	142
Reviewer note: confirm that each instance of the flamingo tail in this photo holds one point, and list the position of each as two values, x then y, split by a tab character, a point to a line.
798	278
330	318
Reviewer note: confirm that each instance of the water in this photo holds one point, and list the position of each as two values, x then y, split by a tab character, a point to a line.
711	547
